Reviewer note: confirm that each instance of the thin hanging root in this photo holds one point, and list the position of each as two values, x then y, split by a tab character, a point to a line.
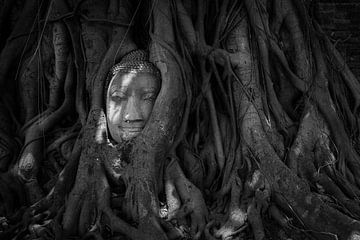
220	157
95	46
199	26
208	156
222	89
332	189
28	86
286	14
233	156
278	16
299	83
186	25
186	82
73	27
32	152
324	102
220	23
340	99
325	161
340	65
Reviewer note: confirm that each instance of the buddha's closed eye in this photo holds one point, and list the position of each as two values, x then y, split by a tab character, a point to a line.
151	96
118	96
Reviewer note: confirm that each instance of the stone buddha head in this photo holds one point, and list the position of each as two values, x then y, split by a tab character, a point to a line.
133	85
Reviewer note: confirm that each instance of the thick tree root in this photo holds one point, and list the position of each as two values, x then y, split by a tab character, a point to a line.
184	199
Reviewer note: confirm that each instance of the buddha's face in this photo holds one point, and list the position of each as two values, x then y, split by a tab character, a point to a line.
129	102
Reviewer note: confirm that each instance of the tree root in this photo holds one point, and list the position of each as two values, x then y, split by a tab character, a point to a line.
192	165
32	152
248	160
193	203
61	49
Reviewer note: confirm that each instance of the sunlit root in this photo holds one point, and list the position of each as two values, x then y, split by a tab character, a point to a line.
192	200
173	200
237	215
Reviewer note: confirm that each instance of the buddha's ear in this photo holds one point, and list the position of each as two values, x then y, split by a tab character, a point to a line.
106	134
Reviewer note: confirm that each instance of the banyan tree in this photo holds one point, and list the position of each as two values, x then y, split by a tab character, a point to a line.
175	119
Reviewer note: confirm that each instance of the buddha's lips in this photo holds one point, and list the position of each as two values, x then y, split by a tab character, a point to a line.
131	129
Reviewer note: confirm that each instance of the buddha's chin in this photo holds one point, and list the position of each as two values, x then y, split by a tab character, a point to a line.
120	134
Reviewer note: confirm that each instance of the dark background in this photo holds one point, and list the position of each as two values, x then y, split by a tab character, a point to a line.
341	20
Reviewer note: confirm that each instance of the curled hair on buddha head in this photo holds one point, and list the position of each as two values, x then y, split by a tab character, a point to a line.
136	61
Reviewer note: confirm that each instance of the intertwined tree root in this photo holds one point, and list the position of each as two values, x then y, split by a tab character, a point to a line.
254	133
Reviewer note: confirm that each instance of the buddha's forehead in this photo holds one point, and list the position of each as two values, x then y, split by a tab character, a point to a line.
134	80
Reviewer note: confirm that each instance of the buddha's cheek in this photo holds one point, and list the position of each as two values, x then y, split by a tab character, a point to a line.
114	120
146	110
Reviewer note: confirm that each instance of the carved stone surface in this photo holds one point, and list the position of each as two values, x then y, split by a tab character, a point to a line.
129	102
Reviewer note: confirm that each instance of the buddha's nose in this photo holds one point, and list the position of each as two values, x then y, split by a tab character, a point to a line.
132	111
